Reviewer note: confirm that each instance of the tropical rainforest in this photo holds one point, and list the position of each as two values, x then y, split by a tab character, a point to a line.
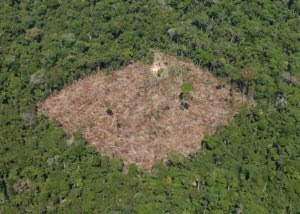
250	166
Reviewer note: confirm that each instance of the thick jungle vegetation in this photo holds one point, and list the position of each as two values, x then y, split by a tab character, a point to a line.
251	166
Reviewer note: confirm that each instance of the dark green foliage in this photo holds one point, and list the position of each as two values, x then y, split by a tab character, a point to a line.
187	87
251	166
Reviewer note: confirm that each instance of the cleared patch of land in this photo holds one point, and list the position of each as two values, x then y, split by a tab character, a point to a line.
144	112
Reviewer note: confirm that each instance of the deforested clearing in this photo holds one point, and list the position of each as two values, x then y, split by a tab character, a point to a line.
144	112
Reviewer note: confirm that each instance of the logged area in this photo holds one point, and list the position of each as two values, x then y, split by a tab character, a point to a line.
76	157
143	112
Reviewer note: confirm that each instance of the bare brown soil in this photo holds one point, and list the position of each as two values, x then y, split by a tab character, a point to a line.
137	113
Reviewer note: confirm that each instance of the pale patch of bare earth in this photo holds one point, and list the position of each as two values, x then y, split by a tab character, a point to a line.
138	114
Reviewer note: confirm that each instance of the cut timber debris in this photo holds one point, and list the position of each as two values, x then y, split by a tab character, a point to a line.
141	113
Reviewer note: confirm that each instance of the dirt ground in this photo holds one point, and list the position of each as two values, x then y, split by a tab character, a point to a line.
140	113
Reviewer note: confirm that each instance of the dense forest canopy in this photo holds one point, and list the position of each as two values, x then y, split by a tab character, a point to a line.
251	166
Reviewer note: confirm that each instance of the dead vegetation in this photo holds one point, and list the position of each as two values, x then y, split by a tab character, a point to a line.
141	113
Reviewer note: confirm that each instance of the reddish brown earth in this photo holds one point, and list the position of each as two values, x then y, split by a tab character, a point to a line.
136	113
